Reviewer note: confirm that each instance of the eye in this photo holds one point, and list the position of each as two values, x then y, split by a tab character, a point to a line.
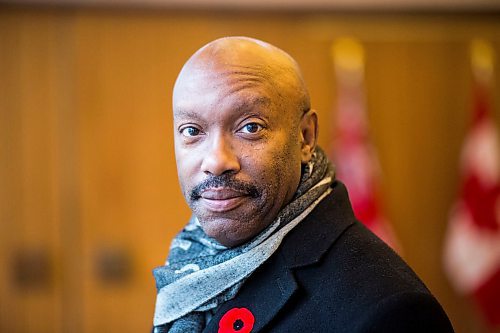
251	128
190	131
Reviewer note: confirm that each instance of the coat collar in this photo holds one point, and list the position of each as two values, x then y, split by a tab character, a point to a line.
307	243
273	284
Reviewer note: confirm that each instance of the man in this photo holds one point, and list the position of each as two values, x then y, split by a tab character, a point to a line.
273	245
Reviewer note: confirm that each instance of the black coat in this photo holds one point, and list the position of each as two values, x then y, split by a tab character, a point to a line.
331	274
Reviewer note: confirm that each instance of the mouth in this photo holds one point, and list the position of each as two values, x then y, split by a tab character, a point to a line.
221	200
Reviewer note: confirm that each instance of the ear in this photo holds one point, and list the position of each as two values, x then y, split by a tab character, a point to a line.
308	135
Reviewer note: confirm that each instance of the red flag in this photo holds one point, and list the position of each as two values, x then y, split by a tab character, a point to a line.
355	157
472	244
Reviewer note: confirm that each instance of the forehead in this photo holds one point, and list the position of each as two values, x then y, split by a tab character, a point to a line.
238	88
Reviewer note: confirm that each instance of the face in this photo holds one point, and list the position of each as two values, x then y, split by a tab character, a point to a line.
238	150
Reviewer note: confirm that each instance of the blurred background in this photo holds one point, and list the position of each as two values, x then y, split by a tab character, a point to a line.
89	198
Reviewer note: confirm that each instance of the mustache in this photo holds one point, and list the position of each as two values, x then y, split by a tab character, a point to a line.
226	181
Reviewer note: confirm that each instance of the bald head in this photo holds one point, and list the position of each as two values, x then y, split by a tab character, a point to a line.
252	57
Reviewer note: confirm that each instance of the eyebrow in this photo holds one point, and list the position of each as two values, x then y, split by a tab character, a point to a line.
186	114
245	105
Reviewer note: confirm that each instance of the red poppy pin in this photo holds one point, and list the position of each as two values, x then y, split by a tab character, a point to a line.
236	320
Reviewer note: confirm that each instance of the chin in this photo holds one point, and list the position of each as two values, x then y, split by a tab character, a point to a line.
228	232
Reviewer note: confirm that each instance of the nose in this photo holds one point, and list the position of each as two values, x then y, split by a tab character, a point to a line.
219	158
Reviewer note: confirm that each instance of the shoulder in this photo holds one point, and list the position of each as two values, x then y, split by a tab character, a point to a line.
409	312
359	284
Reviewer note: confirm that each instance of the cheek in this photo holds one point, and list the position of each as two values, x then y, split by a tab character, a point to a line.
186	168
286	165
276	166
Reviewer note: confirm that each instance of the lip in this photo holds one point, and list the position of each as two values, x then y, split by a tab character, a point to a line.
222	199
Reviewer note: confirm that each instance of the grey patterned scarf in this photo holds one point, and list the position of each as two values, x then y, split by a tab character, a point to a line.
200	273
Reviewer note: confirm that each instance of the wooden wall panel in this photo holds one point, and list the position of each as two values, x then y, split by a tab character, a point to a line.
30	236
131	204
87	167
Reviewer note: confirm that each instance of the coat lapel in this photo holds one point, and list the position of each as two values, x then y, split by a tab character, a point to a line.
310	240
270	287
264	294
